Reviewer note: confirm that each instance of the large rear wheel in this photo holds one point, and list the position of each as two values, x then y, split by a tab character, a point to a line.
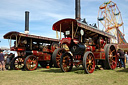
89	62
110	57
66	62
103	61
56	56
31	63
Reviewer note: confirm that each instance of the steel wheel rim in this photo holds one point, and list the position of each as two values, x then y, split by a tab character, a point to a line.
90	63
31	63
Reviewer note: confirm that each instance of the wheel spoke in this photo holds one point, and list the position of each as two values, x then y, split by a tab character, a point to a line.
58	55
114	56
111	52
87	62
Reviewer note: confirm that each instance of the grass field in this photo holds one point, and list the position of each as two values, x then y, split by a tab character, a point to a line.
54	76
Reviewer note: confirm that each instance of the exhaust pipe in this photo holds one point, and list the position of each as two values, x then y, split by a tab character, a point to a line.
77	10
26	22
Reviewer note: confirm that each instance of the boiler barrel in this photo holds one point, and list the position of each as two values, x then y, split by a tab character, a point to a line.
78	49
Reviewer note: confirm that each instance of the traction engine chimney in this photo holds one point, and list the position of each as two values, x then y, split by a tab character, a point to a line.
26	22
77	10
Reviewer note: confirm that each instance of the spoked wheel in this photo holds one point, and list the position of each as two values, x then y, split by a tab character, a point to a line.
31	63
110	57
89	62
56	56
66	62
17	63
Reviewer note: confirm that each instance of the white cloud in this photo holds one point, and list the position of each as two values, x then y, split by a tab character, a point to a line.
15	9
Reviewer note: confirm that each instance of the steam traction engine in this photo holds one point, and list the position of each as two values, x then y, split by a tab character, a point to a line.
83	44
31	49
86	45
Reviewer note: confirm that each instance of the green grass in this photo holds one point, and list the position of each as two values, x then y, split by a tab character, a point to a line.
54	76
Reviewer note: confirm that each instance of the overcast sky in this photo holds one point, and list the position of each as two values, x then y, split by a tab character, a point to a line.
44	13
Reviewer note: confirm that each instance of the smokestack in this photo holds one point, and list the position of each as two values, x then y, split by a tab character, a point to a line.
26	22
77	10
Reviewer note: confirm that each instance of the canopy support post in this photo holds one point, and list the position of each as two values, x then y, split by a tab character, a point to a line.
60	31
31	44
72	31
57	35
16	42
10	41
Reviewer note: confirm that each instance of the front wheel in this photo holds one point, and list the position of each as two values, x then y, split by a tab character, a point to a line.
56	56
31	63
89	62
66	62
17	63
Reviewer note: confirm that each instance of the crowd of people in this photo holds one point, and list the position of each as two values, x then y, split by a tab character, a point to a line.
5	61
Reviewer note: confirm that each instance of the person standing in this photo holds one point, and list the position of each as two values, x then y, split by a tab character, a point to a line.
2	63
126	56
11	56
7	62
118	60
121	57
